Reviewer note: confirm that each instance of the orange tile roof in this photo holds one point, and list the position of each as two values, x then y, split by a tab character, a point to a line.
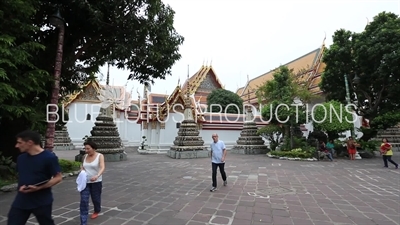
306	68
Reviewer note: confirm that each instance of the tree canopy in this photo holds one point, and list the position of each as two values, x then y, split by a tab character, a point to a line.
373	56
136	35
229	101
284	98
20	79
333	118
283	90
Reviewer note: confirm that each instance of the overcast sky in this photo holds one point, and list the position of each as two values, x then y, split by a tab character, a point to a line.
251	37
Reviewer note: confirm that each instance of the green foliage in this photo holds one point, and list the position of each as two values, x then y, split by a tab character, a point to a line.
7	170
228	101
272	133
138	36
385	120
370	146
280	92
294	153
285	100
68	165
21	81
332	117
371	55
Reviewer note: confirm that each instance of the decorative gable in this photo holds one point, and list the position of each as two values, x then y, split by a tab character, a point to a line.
89	94
209	83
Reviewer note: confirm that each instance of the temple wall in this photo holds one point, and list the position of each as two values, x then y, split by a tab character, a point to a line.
129	130
229	137
167	135
78	124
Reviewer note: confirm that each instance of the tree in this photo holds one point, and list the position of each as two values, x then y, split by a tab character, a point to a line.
373	56
134	35
21	81
285	100
230	102
333	118
272	134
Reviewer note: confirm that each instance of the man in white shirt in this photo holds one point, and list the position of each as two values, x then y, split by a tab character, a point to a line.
218	154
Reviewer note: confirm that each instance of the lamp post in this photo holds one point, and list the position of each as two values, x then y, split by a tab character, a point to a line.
57	21
348	100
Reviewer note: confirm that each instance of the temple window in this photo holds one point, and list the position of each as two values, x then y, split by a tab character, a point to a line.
88	117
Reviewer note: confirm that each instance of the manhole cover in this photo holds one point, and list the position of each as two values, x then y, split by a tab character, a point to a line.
187	177
273	191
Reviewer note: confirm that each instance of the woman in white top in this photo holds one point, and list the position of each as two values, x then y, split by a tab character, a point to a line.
93	164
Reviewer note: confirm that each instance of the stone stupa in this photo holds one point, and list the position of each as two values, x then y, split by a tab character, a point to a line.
188	144
62	141
249	142
105	134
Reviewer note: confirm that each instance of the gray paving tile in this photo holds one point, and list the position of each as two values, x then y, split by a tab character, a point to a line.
154	189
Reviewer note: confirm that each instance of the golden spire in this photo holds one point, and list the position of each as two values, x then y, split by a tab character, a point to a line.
187	102
248	101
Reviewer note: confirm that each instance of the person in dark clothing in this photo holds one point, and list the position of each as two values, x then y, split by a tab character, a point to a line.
38	170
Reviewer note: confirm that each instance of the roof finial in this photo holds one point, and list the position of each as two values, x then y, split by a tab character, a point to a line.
206	62
188	83
179	81
203	61
211	63
367	21
108	74
248	78
248	96
187	100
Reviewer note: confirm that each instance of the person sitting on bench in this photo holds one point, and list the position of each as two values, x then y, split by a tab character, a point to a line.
322	148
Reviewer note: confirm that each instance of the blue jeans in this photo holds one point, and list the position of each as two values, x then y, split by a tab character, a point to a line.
92	190
329	155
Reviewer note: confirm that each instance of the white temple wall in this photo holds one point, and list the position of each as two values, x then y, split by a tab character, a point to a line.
78	124
229	137
129	130
167	135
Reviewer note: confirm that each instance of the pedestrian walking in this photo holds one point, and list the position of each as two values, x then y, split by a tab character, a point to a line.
94	166
38	171
387	153
218	155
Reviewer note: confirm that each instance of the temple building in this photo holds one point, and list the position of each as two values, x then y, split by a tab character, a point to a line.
155	117
307	69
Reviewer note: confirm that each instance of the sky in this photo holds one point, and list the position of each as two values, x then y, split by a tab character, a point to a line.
251	37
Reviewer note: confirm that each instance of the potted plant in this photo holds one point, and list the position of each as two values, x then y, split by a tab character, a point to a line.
143	143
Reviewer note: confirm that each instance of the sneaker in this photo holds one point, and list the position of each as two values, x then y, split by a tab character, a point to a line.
94	215
213	189
225	183
397	166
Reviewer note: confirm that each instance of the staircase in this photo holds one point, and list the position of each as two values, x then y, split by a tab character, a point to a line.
393	136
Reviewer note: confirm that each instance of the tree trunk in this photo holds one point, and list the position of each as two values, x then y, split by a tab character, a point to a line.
52	117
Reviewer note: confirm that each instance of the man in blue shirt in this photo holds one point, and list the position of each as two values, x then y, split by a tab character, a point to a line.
38	170
218	154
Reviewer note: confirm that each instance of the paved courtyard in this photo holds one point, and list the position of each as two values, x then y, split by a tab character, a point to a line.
157	190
